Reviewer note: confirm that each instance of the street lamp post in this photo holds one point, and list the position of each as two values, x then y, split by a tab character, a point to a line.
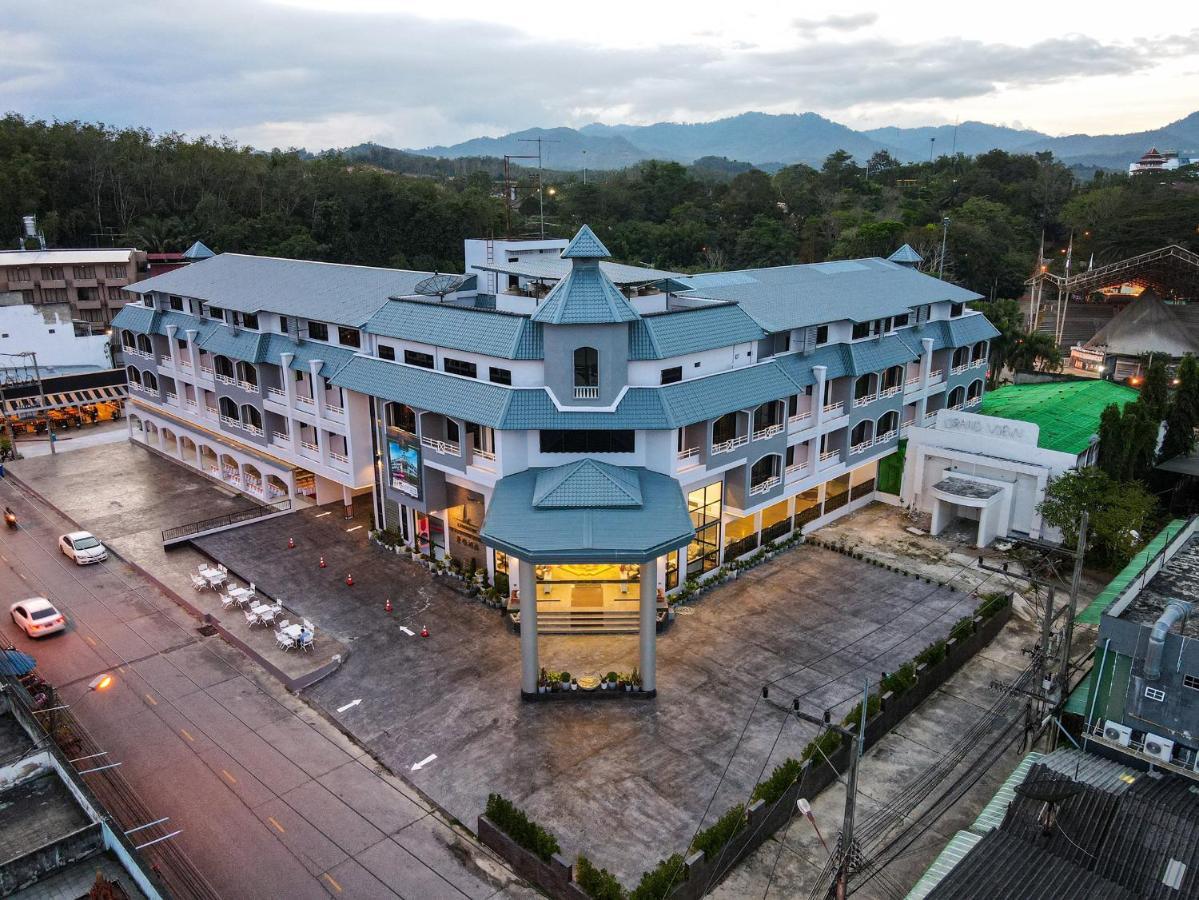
944	236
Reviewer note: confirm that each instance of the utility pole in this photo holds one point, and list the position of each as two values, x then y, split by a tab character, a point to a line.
540	185
931	142
1080	550
846	851
944	237
37	373
584	167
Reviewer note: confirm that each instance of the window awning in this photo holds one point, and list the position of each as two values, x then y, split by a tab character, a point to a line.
28	406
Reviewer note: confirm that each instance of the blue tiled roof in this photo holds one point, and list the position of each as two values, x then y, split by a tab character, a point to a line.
346	295
463	398
586	296
876	355
198	251
690	331
906	254
587	482
135	317
971	329
245	345
304	352
499	334
715	395
585	245
860	290
532	409
624	533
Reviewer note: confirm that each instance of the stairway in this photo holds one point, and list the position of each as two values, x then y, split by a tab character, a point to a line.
589	621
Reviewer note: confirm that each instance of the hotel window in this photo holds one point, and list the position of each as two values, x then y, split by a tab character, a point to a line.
1191	681
582	441
460	367
499	376
416	358
51	273
860	330
386	352
672	570
215	312
586	367
318	331
821	335
672	375
1157	694
956	309
84	271
177	304
20	273
401	417
704	504
54	295
249	320
348	337
114	271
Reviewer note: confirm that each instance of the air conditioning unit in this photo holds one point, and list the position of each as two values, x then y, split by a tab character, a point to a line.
1159	747
1118	732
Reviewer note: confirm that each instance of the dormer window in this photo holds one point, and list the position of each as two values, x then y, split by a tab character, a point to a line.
318	331
586	373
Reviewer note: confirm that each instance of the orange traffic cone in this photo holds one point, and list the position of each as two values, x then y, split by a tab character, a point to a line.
349	580
387	605
291	543
424	631
322	562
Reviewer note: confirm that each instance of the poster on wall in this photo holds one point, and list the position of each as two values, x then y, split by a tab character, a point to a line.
403	456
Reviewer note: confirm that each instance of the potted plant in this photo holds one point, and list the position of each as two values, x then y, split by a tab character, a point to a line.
635	680
543	682
564	679
610	682
574	684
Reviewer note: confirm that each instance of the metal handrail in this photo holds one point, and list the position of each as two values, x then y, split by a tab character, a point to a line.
233	518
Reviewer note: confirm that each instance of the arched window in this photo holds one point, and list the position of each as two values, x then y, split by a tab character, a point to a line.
980	351
724	429
143	344
863	387
222	366
887	423
150	381
976	390
133	375
251	416
961	356
861	433
893	378
768	414
764	470
228	408
128	340
956	397
586	367
246	372
401	417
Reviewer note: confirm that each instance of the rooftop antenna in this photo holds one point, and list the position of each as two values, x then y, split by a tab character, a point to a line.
510	189
540	193
438	286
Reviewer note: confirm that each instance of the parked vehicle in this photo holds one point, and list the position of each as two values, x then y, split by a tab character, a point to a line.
38	617
83	547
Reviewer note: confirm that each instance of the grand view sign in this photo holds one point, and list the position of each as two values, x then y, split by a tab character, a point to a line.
989	427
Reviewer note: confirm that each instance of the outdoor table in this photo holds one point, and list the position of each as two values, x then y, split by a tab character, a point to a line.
240	594
214	577
293	632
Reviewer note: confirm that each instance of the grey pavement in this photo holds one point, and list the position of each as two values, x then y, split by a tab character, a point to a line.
625	783
272	800
110	432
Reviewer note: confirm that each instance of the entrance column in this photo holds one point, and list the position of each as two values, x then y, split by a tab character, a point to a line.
649	624
529	667
347	500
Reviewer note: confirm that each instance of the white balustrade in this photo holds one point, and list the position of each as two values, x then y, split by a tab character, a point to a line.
731	444
332	410
864	401
586	393
252	429
885	436
768	432
339	457
248	386
833	409
225	379
482	454
890	392
306	402
764	487
861	448
829	454
935	375
277	394
958	370
447	447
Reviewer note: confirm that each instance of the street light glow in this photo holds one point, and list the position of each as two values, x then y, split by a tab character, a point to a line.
100	682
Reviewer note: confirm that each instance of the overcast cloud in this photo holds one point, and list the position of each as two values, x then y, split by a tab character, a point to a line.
275	75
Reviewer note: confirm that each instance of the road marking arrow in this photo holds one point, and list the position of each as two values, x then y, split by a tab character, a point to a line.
408	631
349	705
416	767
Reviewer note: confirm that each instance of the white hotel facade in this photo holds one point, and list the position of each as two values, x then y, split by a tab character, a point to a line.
592	433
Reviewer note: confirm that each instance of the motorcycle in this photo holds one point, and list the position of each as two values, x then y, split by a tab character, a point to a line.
10	518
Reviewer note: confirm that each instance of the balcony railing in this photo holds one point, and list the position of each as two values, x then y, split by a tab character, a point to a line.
890	392
252	429
864	401
768	432
800	417
248	386
958	370
830	454
188	401
225	379
206	370
165	361
833	409
862	447
978	363
339	457
332	410
935	375
134	351
305	445
796	467
306	402
279	439
138	386
172	398
766	486
277	394
482	454
184	362
973	401
911	382
731	444
586	393
230	422
885	436
210	409
447	447
929	418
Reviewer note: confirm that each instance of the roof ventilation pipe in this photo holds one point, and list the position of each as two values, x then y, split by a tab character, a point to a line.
1175	612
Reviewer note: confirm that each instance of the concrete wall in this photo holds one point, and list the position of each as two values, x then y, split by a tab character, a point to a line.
612	342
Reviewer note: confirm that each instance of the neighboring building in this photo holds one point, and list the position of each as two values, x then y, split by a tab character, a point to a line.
1142	697
91	281
161	263
993	468
1152	161
1073	826
48	331
617	430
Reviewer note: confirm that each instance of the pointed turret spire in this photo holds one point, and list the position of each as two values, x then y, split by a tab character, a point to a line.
585	245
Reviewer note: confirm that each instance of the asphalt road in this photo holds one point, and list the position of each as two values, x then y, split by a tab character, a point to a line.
270	804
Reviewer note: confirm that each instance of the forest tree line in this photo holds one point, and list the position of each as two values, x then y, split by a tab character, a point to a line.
92	185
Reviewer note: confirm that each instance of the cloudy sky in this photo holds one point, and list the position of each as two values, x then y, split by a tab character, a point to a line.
321	73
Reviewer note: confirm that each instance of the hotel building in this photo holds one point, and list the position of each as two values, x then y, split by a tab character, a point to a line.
593	435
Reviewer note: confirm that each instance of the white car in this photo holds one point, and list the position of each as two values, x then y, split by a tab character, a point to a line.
38	617
83	547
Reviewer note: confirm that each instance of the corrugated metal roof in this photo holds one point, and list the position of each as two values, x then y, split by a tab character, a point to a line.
878	354
64	257
1156	824
788	297
626	533
663	335
501	334
462	398
955	851
585	245
1087	768
326	292
586	296
993	813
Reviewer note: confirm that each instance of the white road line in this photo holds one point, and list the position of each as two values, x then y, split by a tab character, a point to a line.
322	515
408	631
355	528
416	767
349	705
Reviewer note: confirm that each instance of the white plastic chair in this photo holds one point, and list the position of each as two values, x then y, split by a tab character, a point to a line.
309	642
251	618
227	601
200	568
283	641
199	583
222	569
309	625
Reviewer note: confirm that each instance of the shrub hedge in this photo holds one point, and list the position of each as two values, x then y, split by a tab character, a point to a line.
900	681
720	832
962	628
598	884
783	776
512	820
931	655
657	881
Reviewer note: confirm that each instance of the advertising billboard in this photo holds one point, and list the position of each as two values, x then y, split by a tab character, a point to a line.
403	462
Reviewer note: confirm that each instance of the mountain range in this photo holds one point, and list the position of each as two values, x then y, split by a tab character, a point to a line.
771	141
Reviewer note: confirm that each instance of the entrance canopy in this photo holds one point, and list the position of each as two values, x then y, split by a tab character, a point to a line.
587	511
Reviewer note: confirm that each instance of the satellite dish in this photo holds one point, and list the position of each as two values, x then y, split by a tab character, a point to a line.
440	285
